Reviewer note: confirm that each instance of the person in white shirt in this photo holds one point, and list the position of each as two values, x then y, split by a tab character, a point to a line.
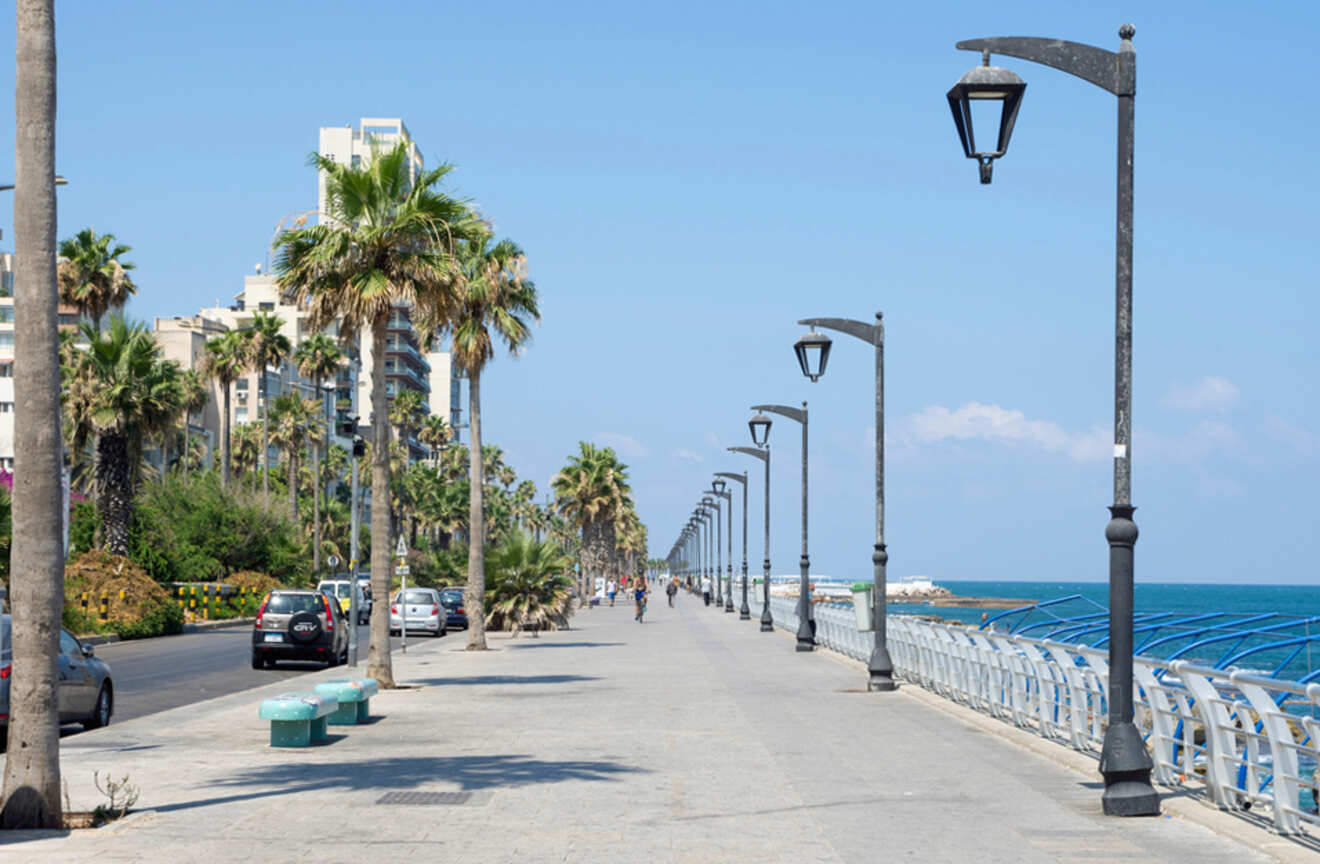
610	589
705	589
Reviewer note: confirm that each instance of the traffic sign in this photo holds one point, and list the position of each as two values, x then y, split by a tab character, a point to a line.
332	561
402	570
401	550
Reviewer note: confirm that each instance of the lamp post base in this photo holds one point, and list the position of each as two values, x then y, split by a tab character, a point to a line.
1126	767
881	670
767	624
806	636
728	604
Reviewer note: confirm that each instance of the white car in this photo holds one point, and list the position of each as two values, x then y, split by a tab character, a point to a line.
340	588
422	609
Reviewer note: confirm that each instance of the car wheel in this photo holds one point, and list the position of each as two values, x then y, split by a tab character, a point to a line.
257	661
101	713
333	659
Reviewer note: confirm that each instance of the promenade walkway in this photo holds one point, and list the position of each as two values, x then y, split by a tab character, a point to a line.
690	738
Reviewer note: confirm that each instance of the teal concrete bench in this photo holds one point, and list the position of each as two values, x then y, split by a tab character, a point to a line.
297	719
353	696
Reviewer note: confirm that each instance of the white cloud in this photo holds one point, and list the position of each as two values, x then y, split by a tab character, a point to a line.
1211	393
975	421
684	455
628	448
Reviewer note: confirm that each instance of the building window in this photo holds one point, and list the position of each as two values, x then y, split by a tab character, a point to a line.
7	342
267	305
7	284
6	370
357	161
6	407
240	414
6	314
241	384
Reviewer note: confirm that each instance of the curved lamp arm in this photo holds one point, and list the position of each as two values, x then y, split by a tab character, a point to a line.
870	333
1115	72
791	413
741	478
750	451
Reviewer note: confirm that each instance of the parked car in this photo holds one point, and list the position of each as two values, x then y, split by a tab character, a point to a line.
86	692
455	613
299	625
340	590
424	612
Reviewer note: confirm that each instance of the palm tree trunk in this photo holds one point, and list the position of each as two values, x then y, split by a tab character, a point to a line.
115	477
224	440
293	485
265	433
36	587
187	444
316	492
378	652
476	585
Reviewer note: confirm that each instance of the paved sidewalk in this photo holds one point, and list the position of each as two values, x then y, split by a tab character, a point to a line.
690	738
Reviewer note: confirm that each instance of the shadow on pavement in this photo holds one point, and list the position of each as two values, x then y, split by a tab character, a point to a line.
565	644
503	679
469	772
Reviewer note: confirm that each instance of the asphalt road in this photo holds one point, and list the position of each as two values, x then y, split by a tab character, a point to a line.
153	675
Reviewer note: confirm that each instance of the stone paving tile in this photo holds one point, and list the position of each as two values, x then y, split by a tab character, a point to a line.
690	738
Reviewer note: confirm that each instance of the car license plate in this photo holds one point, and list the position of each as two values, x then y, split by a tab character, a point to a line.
274	637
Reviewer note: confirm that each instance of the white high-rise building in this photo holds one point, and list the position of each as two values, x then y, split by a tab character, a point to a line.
429	373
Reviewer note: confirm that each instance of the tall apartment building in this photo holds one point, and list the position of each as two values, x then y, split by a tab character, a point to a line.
68	319
429	373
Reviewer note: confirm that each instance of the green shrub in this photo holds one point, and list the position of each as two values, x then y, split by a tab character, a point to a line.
166	619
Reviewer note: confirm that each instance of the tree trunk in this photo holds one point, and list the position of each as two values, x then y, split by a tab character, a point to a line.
224	440
36	586
293	485
187	444
316	492
114	476
378	654
476	585
265	435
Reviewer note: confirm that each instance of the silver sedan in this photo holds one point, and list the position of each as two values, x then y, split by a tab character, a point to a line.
86	693
423	609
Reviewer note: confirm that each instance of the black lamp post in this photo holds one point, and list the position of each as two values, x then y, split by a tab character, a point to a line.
714	507
813	350
806	632
1124	762
718	488
762	453
699	518
744	611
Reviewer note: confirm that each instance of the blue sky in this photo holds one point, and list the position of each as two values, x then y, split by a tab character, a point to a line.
689	179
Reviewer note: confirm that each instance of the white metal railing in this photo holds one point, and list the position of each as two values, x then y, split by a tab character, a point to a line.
1223	728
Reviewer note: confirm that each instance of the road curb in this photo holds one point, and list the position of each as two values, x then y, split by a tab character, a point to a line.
198	626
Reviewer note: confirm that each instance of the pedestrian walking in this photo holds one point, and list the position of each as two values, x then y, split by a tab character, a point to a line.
639	593
670	590
705	589
610	589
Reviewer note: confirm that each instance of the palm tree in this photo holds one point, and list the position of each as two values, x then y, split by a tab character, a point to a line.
297	421
120	394
267	347
318	358
36	587
195	394
497	300
224	363
435	433
529	585
592	493
246	448
386	241
92	276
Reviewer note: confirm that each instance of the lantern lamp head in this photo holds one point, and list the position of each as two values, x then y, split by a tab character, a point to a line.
986	83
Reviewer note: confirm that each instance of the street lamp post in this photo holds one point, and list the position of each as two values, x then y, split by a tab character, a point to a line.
813	351
714	506
806	632
718	487
744	611
767	620
1124	761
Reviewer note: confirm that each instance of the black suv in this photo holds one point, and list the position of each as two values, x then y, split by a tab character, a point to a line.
299	625
455	612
